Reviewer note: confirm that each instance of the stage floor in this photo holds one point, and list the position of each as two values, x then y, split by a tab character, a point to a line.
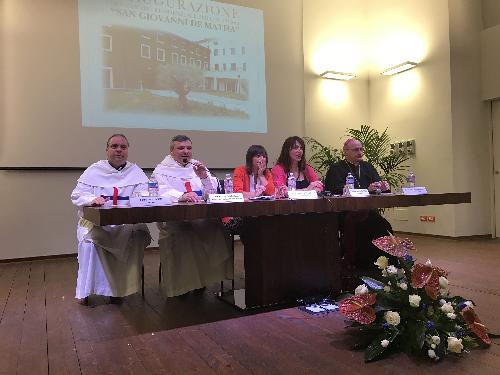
44	330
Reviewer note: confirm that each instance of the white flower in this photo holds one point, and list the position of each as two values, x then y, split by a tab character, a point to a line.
414	300
382	262
428	263
454	345
442	301
384	343
451	316
361	289
447	308
433	346
431	353
436	340
469	303
384	273
443	282
392	317
403	286
387	288
392	270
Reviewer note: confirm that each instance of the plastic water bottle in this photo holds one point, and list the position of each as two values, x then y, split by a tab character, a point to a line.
153	186
292	182
411	179
349	181
228	184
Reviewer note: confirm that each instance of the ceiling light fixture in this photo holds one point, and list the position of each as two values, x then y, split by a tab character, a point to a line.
330	74
399	68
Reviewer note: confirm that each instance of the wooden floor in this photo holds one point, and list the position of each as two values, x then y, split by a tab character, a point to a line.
43	330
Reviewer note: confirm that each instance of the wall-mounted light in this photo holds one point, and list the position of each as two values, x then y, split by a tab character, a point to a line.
399	68
330	74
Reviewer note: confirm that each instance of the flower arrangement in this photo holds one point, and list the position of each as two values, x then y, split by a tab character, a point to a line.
411	309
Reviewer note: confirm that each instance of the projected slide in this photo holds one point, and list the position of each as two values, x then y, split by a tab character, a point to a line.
172	64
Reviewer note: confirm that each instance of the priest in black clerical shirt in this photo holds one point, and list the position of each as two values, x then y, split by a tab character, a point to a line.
365	174
358	228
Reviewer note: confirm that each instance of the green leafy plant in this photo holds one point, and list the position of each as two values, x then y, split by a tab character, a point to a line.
378	152
377	146
410	309
322	156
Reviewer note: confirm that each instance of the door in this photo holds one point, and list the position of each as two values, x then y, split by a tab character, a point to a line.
495	114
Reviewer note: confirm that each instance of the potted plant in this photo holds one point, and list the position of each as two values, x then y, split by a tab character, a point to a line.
377	151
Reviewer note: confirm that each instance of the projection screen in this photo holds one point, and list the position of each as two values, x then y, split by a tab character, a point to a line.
226	73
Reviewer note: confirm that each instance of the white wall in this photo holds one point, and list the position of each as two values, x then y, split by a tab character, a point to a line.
470	127
334	39
491	13
438	103
37	217
416	104
490	61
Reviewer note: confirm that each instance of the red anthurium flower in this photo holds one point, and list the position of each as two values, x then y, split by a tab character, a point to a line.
424	275
475	325
358	308
394	245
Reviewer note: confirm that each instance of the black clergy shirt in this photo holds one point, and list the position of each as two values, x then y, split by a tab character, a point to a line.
364	174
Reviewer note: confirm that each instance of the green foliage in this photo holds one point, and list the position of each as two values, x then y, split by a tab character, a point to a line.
377	151
375	348
322	156
409	318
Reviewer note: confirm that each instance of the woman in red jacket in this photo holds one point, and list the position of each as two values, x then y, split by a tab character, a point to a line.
254	178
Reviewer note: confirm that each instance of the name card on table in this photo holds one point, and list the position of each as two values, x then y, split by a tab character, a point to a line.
119	203
414	190
357	193
225	198
302	194
150	201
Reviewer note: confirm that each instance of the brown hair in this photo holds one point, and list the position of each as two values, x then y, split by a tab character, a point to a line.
284	158
179	138
254	150
117	135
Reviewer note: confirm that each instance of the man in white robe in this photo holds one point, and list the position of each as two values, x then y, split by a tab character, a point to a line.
109	257
196	253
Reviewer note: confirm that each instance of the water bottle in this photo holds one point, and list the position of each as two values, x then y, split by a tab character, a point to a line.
292	182
411	179
349	181
153	186
228	184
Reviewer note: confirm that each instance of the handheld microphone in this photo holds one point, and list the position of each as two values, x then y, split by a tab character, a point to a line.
115	196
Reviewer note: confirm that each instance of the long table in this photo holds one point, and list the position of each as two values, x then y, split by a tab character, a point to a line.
292	250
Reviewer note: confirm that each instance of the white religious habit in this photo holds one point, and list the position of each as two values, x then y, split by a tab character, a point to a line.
109	257
196	253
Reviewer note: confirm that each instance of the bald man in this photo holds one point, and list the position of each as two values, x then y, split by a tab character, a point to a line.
358	228
365	174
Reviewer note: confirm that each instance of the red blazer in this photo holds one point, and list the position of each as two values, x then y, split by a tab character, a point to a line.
241	181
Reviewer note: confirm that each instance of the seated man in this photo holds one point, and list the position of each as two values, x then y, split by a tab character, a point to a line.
359	228
196	253
109	257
